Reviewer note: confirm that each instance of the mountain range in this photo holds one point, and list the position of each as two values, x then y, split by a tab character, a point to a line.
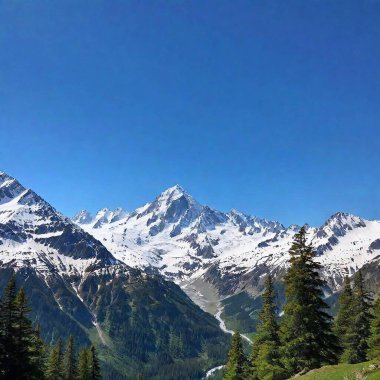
143	285
186	241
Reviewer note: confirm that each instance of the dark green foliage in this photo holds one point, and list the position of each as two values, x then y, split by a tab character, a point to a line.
308	341
236	367
69	360
54	369
266	356
155	329
21	354
344	316
23	338
356	338
22	351
84	372
54	323
37	355
94	365
241	312
374	340
7	326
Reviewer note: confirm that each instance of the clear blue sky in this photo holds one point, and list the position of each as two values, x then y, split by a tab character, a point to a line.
270	107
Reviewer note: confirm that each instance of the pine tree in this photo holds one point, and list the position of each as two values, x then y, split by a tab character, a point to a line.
343	319
7	315
357	335
54	370
38	351
23	338
94	365
84	372
236	365
69	360
22	355
308	341
374	340
265	361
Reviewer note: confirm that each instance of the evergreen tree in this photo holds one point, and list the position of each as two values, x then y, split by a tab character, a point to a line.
54	370
84	372
308	341
94	365
265	361
38	351
7	333
374	340
357	335
344	316
23	338
236	365
21	356
69	360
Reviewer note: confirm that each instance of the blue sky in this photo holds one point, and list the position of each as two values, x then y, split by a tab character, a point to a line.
269	107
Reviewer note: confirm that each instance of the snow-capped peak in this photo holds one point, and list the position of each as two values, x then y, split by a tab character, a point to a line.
33	233
103	216
7	180
174	189
117	215
82	217
238	213
341	222
4	178
173	193
10	188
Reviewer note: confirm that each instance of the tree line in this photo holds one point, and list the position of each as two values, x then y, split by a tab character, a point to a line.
23	354
307	336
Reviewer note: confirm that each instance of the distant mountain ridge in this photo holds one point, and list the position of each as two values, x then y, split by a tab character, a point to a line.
185	240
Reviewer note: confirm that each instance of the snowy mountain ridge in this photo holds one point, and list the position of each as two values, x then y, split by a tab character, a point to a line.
185	240
176	236
33	233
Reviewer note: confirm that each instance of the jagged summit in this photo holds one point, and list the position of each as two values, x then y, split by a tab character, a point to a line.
82	217
9	188
6	178
4	175
343	217
34	232
174	189
105	216
173	193
341	222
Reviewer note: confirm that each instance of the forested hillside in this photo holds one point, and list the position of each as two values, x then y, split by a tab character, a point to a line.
307	337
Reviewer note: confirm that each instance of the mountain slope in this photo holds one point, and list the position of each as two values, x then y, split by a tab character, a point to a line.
76	286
